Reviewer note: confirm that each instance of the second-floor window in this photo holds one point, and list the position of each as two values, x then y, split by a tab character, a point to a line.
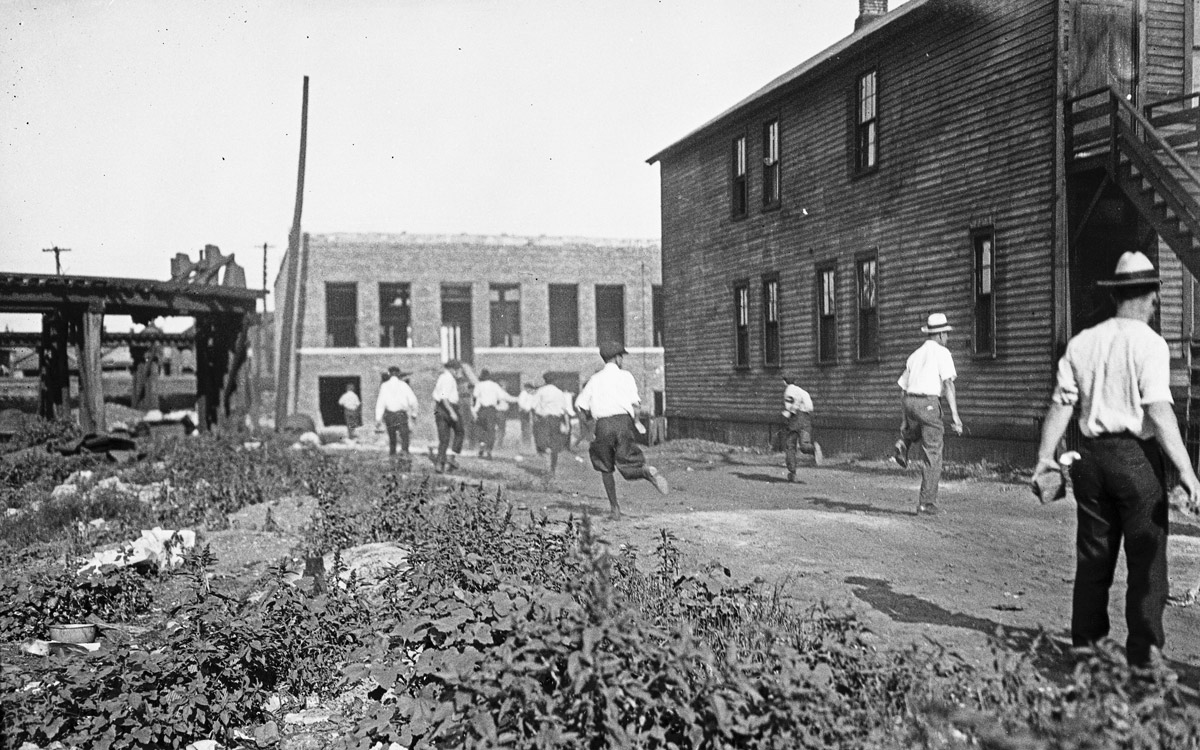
868	308
741	325
610	313
827	314
564	315
341	314
505	303
866	131
395	315
738	173
770	173
770	300
984	241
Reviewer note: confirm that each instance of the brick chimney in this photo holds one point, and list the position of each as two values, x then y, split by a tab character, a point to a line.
868	11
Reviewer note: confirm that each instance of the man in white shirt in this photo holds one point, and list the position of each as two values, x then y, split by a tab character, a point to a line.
525	401
611	399
928	374
1117	374
395	407
552	412
797	410
447	416
489	397
351	410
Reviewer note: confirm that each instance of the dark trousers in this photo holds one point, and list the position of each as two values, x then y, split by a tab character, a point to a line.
615	448
487	421
922	423
449	431
1119	493
798	439
396	424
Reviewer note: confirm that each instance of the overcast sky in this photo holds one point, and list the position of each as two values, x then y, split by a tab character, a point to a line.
132	130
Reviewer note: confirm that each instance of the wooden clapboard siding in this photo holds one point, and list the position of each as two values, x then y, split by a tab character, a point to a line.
967	138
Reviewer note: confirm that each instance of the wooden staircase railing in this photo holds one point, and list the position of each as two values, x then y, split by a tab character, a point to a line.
1141	154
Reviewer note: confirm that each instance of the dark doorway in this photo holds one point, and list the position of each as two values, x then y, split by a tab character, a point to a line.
456	323
329	390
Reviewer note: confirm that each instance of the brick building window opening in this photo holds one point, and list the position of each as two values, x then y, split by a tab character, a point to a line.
564	315
770	298
505	302
984	291
610	313
866	130
395	315
341	314
658	313
741	325
739	176
868	308
770	172
827	315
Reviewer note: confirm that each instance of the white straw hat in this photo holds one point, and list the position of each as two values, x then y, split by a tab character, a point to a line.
936	323
1133	269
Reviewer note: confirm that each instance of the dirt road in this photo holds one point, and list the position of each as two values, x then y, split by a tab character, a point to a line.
847	533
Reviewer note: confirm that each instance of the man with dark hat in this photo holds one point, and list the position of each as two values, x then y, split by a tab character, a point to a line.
928	373
611	398
1117	375
394	408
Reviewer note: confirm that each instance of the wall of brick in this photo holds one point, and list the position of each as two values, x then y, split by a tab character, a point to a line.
428	262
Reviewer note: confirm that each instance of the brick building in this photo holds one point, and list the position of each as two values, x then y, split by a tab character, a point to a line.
518	306
989	159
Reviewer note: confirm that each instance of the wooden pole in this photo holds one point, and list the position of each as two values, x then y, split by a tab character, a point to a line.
53	368
91	387
287	307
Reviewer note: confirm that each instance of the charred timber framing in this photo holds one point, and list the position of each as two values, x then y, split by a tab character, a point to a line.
73	308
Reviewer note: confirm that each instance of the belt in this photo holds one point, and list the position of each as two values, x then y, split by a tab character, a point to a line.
923	395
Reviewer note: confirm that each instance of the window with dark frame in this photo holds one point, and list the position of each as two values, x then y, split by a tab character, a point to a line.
505	303
738	172
866	131
610	313
564	315
770	174
868	307
770	301
827	314
341	314
984	241
741	325
395	315
658	314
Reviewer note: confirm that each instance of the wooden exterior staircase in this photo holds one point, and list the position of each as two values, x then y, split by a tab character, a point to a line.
1144	153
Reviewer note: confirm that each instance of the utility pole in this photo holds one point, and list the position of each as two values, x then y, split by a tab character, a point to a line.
265	246
57	251
260	349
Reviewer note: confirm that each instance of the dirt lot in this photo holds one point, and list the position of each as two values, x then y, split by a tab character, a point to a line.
846	534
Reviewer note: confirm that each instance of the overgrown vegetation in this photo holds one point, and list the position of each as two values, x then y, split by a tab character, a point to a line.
504	631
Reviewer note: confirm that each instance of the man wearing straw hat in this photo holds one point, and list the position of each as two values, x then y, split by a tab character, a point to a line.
1117	374
928	374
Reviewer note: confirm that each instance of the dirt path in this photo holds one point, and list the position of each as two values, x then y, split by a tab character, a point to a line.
848	534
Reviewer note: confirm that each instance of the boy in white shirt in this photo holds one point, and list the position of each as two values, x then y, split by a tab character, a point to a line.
797	410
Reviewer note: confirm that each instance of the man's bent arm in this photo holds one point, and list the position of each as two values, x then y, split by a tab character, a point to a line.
1058	418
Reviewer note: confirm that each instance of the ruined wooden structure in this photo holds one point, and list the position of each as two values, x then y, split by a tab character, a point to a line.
73	310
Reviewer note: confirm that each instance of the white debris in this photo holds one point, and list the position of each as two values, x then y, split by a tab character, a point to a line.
63	492
162	547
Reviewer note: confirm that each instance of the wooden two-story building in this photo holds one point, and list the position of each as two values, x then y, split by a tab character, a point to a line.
988	159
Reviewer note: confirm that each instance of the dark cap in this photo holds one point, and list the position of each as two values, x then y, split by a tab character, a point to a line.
610	349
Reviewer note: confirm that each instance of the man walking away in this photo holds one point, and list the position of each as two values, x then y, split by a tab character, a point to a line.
351	410
798	438
1117	375
489	397
552	412
395	408
525	402
611	399
927	375
447	417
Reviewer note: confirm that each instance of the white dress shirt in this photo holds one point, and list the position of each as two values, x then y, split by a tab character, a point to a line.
491	393
550	401
446	388
796	399
927	368
610	392
349	400
395	395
